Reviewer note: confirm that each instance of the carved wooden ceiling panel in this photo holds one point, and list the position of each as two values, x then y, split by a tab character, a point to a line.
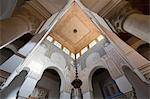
75	30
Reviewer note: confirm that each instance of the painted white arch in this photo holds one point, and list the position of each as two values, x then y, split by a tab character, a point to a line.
91	74
60	73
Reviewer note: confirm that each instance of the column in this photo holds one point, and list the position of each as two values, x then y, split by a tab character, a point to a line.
27	88
138	25
25	19
126	19
13	28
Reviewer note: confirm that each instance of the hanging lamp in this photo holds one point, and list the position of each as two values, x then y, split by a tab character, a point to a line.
76	92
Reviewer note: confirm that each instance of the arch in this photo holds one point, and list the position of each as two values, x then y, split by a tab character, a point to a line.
12	89
141	88
104	86
58	70
51	81
91	74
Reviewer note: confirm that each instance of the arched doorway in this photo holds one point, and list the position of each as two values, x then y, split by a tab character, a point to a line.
12	90
48	86
104	87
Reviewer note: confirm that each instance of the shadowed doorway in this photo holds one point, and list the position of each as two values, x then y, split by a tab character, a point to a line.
48	86
104	87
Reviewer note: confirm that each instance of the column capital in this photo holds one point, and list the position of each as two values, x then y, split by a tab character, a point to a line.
120	13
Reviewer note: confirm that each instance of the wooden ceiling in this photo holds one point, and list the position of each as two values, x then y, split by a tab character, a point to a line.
75	30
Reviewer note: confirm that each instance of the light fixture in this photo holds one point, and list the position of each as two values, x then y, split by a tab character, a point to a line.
76	92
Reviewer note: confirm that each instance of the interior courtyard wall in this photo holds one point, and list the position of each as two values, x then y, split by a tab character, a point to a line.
118	54
49	59
95	60
31	76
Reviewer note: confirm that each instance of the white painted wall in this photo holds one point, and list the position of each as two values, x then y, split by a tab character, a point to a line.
88	95
123	84
65	95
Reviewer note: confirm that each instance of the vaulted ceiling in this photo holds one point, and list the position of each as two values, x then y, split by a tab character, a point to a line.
75	30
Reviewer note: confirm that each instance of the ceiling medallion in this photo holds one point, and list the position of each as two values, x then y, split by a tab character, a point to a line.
75	31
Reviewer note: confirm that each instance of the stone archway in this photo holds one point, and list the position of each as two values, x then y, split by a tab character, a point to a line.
48	87
104	87
90	76
140	87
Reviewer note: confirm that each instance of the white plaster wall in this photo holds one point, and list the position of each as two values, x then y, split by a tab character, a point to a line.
58	59
45	56
123	84
88	95
49	56
98	57
93	59
65	95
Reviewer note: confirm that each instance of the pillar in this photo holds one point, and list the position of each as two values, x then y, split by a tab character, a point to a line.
27	88
25	19
126	19
141	88
138	25
13	28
